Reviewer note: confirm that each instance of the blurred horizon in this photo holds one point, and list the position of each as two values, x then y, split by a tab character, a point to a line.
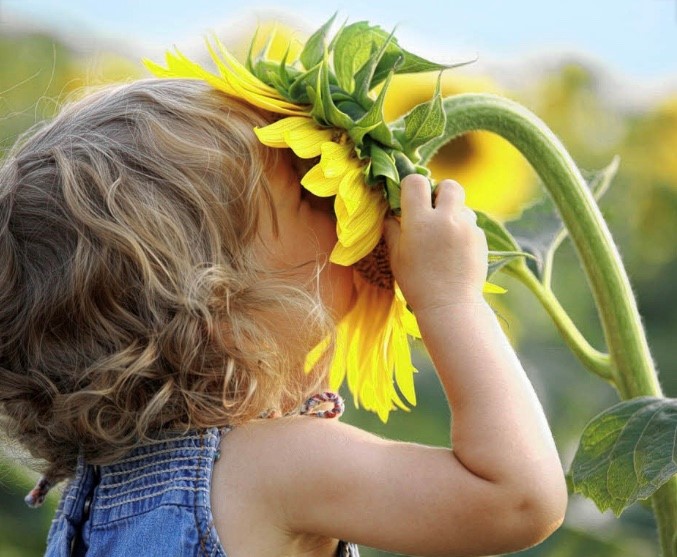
632	44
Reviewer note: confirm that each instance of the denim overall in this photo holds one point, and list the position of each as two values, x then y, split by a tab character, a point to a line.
153	502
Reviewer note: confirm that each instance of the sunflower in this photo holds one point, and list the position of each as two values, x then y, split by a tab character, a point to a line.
372	353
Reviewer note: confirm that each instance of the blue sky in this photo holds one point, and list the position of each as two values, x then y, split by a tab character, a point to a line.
636	38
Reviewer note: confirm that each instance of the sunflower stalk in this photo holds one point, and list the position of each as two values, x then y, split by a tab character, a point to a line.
597	362
629	366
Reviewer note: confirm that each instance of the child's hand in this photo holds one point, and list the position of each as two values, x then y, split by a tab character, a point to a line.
438	254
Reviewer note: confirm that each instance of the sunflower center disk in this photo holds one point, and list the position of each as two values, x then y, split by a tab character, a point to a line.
375	267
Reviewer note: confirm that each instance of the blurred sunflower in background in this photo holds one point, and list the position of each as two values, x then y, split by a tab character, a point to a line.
496	177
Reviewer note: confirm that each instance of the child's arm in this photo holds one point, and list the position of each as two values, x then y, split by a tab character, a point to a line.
439	256
500	489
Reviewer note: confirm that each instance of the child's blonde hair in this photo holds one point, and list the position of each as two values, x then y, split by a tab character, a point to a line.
131	297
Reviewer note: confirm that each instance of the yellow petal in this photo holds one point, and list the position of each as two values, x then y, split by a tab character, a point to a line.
235	80
407	318
404	370
243	80
316	183
272	135
178	66
354	192
346	256
367	218
306	141
490	288
336	159
314	356
338	367
231	69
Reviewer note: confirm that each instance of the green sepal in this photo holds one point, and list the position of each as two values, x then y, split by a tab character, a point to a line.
372	120
313	51
315	96
352	109
352	48
404	62
298	90
260	66
249	62
423	123
332	114
284	71
404	165
355	45
276	75
393	196
365	75
382	165
317	110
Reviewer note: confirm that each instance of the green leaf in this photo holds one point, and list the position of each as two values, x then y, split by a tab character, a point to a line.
352	109
600	180
536	231
315	96
539	230
627	452
332	114
499	259
393	195
383	164
405	62
503	249
298	90
424	122
353	46
365	75
498	238
375	57
313	51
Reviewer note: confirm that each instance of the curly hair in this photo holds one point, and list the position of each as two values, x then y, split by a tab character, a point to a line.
132	300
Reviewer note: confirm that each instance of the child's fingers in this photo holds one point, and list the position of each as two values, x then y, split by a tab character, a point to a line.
391	232
414	196
450	196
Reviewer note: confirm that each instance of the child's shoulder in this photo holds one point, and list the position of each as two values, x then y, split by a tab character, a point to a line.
270	475
277	450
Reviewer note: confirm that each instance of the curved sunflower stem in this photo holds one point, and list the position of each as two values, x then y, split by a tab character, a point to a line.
597	362
631	366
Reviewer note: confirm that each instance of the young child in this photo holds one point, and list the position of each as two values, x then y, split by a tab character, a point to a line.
163	278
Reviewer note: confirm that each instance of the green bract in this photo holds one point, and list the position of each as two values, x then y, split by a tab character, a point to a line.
340	79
